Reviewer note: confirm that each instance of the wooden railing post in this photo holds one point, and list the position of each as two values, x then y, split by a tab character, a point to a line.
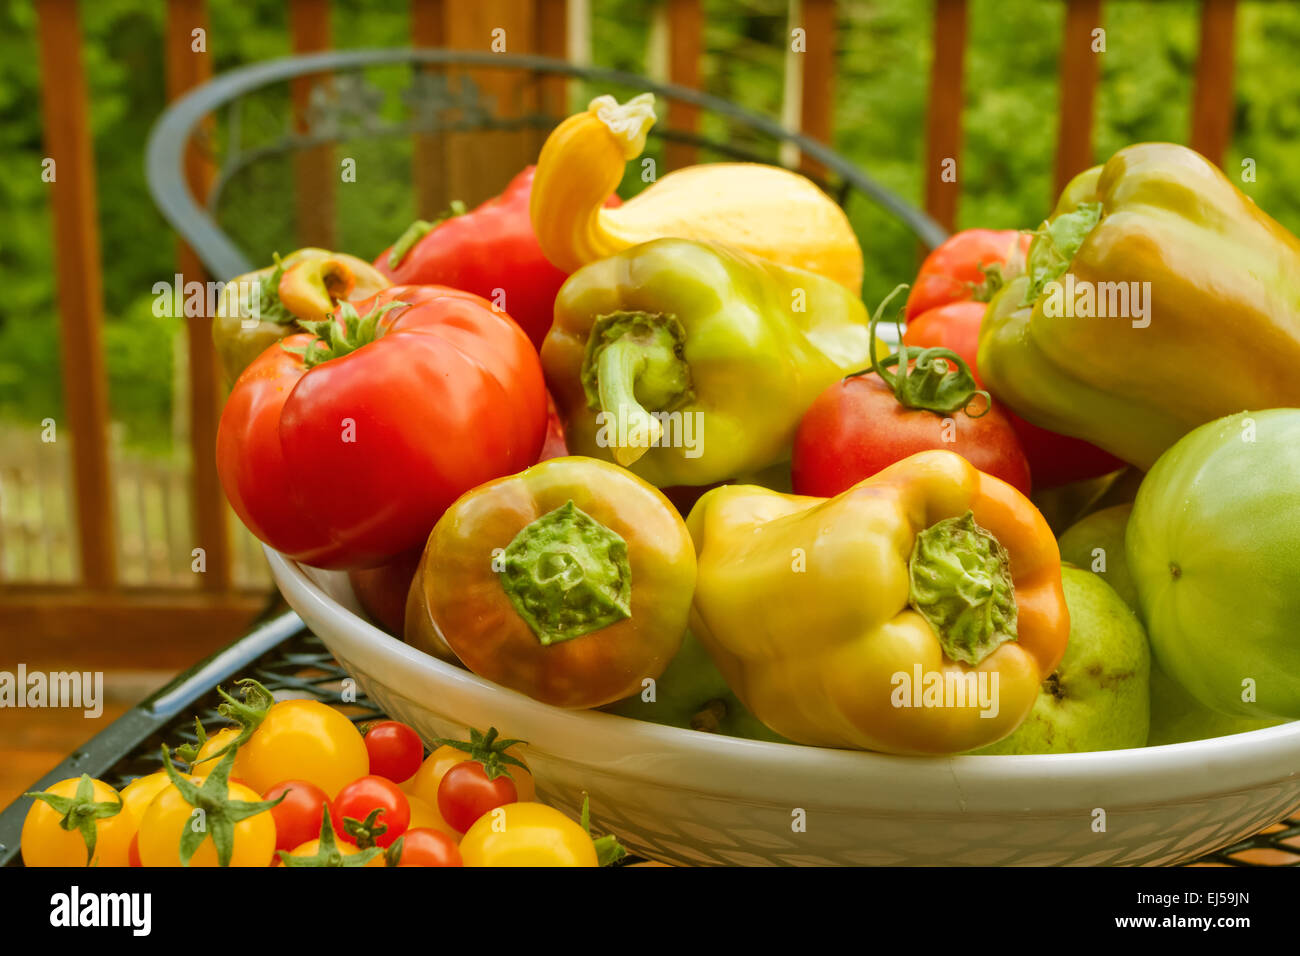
1212	102
1080	68
187	67
553	40
314	171
943	132
685	47
80	283
817	85
428	162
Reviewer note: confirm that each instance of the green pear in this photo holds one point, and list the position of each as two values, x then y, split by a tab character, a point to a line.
1177	716
692	693
1098	697
1096	543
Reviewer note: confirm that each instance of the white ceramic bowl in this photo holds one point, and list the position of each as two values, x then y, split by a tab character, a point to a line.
688	797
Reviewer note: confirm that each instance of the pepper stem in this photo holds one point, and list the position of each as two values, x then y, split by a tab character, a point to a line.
634	360
1055	245
961	584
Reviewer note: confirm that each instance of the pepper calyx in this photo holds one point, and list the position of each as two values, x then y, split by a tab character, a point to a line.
635	366
419	229
1054	247
934	379
264	304
566	575
80	811
960	582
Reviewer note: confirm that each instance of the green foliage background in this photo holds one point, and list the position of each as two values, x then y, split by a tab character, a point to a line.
881	85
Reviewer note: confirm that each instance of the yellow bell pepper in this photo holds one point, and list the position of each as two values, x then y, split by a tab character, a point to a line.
916	613
769	211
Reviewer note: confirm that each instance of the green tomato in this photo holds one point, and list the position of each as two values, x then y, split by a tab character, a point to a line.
1214	548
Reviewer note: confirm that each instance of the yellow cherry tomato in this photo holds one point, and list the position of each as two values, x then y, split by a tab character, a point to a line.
425	814
169	814
527	834
312	847
205	762
45	843
303	740
427	779
139	793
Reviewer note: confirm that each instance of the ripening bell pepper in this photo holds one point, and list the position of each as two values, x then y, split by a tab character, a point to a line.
489	250
691	362
767	210
1156	298
570	582
260	308
918	612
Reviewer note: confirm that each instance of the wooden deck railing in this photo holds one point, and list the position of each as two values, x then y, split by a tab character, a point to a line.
98	599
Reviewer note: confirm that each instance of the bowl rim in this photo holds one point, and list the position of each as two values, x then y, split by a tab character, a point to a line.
770	772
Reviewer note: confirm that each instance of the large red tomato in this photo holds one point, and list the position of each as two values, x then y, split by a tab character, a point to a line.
345	454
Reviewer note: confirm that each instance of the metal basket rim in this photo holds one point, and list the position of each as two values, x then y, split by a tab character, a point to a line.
171	132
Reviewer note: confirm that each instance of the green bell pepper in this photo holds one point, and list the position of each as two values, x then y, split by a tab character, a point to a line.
691	362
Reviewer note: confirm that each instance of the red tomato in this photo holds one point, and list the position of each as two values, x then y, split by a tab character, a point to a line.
298	816
554	446
945	308
362	797
466	793
425	847
349	463
382	591
491	251
396	750
967	266
857	427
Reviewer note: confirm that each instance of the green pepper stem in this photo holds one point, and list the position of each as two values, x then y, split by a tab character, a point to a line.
635	359
1055	245
618	368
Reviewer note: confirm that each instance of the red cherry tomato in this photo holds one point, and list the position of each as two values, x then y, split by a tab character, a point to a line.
396	751
425	847
466	793
298	816
362	797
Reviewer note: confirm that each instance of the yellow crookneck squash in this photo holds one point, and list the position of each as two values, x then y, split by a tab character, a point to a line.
766	210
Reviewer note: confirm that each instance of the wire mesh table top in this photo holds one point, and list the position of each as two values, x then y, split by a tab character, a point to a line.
292	662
